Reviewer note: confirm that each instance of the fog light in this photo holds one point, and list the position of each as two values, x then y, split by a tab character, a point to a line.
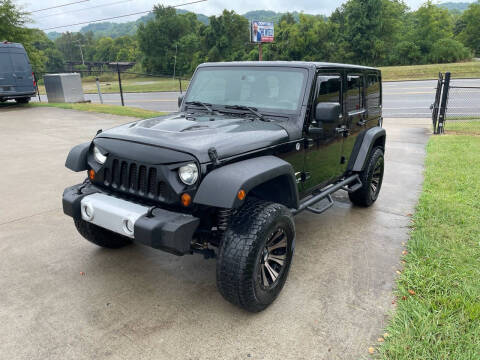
87	212
128	226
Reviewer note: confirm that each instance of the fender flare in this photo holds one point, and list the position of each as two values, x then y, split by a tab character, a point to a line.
77	157
221	186
364	146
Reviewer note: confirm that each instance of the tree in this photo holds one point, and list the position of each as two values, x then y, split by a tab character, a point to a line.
469	32
12	20
226	38
431	24
159	39
448	50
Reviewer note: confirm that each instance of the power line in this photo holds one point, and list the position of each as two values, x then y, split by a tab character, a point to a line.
83	9
121	16
58	6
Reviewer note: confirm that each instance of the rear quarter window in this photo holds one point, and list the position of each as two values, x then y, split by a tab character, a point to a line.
20	62
373	90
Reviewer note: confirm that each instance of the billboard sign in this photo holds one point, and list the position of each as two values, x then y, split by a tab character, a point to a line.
261	32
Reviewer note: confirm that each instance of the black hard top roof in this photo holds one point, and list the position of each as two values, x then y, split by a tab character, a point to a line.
304	64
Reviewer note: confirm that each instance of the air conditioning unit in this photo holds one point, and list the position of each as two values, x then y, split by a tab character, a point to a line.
64	88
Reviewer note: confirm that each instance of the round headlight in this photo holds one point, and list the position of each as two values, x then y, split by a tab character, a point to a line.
188	174
97	154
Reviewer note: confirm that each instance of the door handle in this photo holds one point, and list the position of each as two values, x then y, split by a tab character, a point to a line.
362	122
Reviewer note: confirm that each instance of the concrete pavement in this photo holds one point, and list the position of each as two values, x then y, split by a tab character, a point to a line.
63	298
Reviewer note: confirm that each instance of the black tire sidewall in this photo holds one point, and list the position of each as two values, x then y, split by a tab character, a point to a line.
267	296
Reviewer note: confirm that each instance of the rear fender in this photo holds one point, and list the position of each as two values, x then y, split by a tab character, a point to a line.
375	136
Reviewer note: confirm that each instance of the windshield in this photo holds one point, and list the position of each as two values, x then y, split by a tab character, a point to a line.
257	87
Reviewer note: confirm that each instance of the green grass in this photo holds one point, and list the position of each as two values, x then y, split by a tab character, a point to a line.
441	320
423	72
129	84
104	109
464	125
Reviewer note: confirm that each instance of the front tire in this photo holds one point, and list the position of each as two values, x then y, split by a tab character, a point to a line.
100	236
372	178
255	255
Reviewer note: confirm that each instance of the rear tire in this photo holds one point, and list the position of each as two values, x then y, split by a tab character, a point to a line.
255	255
100	236
22	100
372	178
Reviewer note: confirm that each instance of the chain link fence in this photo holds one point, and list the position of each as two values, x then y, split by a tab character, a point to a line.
98	83
463	109
457	105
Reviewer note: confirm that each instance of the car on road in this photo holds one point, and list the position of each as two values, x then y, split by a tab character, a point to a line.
17	80
253	144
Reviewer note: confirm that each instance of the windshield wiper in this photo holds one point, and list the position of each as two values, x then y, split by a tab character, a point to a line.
199	103
251	109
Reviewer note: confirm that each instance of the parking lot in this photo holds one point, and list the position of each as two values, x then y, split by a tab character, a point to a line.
63	298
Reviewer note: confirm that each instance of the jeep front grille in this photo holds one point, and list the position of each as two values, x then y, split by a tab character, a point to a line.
129	177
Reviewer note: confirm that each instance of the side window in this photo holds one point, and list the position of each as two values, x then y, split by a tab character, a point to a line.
328	88
373	91
354	95
20	62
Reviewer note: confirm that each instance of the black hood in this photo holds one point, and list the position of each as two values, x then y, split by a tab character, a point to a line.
229	135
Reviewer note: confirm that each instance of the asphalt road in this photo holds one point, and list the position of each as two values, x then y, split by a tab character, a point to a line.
410	99
64	298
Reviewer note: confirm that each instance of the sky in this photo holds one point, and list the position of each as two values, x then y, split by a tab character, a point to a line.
95	9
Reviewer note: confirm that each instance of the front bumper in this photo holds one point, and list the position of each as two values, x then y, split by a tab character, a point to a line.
161	229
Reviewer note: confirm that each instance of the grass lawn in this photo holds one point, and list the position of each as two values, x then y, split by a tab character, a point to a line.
129	84
438	293
105	109
463	126
421	72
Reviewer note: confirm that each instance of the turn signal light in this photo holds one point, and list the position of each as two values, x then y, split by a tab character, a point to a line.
91	174
186	200
241	194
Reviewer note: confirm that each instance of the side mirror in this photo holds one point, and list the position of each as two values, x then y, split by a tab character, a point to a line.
180	100
327	112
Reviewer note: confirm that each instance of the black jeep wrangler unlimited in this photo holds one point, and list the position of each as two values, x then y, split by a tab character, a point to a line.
253	144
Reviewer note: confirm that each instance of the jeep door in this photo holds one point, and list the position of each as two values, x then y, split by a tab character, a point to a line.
323	140
355	113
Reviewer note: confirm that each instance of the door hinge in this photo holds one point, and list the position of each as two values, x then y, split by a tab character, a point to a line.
309	143
343	160
342	130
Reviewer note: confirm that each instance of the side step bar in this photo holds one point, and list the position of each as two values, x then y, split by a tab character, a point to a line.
327	193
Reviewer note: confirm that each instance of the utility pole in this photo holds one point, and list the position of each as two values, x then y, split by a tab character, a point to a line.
175	62
81	51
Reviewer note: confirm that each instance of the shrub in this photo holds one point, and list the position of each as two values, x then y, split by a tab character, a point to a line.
448	50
